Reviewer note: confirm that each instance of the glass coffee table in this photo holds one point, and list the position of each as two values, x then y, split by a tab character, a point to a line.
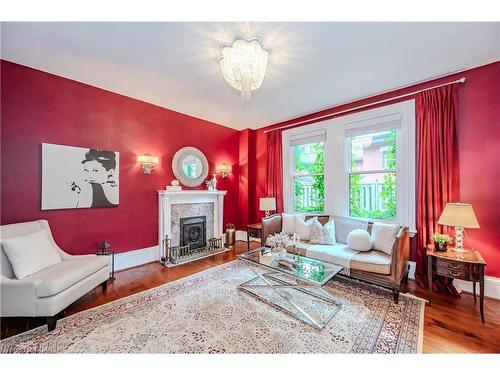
290	274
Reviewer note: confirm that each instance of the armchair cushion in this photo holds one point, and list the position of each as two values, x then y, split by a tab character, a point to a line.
63	275
30	253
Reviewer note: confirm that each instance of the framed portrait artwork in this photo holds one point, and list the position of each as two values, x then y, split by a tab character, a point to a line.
77	177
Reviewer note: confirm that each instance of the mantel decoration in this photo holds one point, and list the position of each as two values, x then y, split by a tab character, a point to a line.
212	183
174	186
244	65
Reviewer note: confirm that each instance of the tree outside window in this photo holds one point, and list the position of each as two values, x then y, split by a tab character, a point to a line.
372	178
309	179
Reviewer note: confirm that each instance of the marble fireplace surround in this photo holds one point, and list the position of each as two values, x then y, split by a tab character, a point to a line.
173	205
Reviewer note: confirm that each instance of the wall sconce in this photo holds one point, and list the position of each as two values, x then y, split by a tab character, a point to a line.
224	170
148	162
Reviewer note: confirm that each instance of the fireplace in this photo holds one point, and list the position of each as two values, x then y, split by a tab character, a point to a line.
193	232
189	225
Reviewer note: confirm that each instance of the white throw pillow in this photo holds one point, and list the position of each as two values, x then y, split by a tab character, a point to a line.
384	236
323	234
359	240
303	228
31	253
288	223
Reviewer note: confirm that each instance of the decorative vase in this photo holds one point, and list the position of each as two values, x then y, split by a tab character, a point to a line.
212	183
441	246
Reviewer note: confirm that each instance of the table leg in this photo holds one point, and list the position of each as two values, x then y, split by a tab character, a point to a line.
429	276
481	292
474	290
248	242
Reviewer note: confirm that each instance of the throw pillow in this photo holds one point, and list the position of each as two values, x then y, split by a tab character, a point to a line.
31	253
287	223
384	236
359	240
323	234
303	228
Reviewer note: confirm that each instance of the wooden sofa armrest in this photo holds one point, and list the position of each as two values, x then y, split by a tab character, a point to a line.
400	255
270	225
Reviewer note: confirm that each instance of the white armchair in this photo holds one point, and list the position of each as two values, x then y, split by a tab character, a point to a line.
49	291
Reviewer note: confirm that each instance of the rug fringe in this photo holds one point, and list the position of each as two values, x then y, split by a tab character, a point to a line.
409	295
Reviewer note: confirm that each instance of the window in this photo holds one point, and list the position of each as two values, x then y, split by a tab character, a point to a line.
308	177
360	165
372	175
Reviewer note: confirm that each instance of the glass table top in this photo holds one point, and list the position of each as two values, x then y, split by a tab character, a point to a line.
306	269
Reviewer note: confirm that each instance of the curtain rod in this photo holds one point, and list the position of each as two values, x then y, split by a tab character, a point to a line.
332	115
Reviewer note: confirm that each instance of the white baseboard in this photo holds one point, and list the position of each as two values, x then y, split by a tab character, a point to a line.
135	258
411	272
241	235
491	284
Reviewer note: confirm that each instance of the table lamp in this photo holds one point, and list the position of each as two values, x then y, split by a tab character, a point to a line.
460	216
267	205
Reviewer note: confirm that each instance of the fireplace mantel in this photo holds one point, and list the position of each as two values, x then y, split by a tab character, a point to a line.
168	198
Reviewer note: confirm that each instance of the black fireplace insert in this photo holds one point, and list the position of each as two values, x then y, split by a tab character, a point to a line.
193	232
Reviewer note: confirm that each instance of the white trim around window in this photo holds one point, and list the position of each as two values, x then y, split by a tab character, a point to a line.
400	116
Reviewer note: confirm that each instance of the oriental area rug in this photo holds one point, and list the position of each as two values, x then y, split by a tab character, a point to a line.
206	313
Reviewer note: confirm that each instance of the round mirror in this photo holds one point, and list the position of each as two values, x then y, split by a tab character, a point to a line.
190	166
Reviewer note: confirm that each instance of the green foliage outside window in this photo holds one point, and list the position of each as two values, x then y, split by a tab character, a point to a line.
309	163
387	194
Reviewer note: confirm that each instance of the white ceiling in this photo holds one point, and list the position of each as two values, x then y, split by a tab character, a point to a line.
312	66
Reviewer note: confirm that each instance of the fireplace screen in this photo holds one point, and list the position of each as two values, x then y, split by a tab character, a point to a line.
193	232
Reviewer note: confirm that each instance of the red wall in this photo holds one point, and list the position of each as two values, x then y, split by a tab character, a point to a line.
479	154
39	107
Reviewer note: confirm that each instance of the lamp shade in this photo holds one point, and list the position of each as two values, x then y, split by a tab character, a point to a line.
458	215
267	204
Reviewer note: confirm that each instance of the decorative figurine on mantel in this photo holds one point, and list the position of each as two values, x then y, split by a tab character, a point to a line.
212	183
174	186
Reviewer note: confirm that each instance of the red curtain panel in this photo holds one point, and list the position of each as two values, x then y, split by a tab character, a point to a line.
437	172
275	168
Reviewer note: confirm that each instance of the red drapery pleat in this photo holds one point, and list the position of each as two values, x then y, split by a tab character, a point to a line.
437	172
275	168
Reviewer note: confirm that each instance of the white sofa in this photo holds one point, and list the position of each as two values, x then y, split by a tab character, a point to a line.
49	291
372	266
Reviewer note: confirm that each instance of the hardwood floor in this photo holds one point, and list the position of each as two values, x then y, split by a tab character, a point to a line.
451	325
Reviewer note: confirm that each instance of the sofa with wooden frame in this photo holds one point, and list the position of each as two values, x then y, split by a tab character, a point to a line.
373	266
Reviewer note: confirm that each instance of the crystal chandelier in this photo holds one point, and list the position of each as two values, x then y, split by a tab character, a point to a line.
244	65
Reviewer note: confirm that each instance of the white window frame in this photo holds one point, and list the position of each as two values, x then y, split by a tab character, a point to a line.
289	175
337	157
